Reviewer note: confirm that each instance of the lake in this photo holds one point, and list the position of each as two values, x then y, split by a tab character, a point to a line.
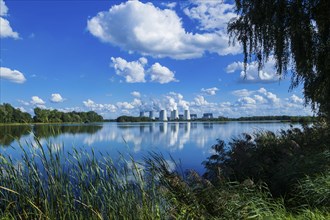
187	142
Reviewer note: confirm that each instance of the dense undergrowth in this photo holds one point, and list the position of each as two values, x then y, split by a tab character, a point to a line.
259	176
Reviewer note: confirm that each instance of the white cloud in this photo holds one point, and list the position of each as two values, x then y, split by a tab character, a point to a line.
246	101
252	74
133	72
99	107
210	91
3	8
141	27
170	5
22	109
23	102
136	94
211	15
35	100
6	29
259	99
56	98
295	99
199	100
89	103
231	68
242	92
124	105
269	96
12	75
161	74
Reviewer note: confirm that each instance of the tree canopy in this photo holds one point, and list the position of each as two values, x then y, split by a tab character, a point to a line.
297	34
9	114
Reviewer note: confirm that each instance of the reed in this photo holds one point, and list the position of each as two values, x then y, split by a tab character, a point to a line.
50	183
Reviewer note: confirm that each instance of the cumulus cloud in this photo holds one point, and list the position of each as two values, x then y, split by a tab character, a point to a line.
6	29
161	74
12	75
56	98
169	101
269	96
295	99
261	102
259	99
136	94
133	72
210	91
141	27
211	15
170	5
246	101
89	103
3	8
99	107
37	101
231	68
242	92
136	71
23	102
249	102
199	100
252	74
125	105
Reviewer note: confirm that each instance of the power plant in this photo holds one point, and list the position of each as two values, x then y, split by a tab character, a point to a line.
151	115
186	115
162	115
174	115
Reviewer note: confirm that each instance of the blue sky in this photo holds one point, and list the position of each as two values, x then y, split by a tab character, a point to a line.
123	57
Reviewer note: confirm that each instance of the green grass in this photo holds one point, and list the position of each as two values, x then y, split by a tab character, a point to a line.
49	184
54	185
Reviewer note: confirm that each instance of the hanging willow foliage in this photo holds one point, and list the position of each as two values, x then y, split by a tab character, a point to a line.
297	34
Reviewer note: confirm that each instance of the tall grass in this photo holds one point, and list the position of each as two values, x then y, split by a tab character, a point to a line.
50	183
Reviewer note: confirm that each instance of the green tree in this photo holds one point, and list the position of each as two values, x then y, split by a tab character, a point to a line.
41	115
297	34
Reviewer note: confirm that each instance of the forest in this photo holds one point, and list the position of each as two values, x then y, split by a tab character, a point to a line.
9	114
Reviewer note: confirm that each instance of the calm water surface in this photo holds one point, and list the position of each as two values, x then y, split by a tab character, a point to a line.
187	142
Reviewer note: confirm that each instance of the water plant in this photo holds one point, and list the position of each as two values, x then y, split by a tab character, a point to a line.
241	182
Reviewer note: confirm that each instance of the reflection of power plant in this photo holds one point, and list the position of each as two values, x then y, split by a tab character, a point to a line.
163	127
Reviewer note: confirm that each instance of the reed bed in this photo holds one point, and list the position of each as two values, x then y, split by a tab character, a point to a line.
48	184
51	183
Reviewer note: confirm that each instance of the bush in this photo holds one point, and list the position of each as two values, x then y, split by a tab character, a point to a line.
279	160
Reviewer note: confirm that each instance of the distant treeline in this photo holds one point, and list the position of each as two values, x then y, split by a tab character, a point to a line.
125	118
8	114
278	118
302	119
